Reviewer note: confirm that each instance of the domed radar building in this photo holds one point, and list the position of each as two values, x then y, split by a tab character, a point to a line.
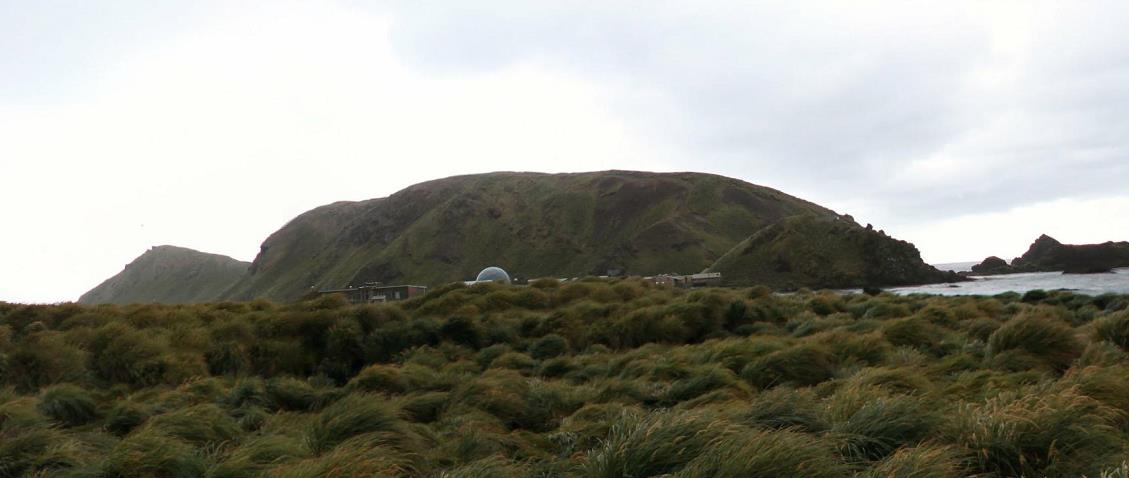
493	274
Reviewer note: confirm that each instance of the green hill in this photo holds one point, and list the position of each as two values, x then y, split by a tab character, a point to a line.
528	223
169	274
825	252
556	225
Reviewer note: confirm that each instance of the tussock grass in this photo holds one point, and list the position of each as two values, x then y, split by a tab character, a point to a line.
894	380
804	364
653	444
1040	338
380	378
868	426
703	380
124	417
68	405
549	346
491	467
784	408
256	456
353	415
767	454
355	457
23	451
424	407
914	332
584	379
150	453
1039	432
1114	328
199	425
289	393
925	461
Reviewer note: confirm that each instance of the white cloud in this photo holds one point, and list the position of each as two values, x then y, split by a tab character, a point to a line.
1007	234
217	138
955	125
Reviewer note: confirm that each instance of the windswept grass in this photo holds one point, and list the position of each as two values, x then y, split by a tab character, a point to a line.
595	378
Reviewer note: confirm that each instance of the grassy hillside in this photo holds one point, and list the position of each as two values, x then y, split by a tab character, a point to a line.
585	379
171	275
825	252
528	223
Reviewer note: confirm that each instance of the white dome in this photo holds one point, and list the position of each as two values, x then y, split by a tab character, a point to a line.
493	274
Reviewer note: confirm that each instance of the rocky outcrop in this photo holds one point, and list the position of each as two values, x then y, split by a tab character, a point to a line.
991	265
1049	255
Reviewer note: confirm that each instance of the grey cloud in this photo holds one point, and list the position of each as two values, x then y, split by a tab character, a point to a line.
828	97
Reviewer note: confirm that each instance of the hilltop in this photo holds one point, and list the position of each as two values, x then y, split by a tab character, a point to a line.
573	225
1047	254
531	224
169	274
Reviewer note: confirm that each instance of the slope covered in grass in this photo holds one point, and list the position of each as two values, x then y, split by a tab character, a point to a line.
583	379
171	275
531	224
825	252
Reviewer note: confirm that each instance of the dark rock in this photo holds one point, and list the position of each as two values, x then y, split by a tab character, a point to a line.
1049	255
991	265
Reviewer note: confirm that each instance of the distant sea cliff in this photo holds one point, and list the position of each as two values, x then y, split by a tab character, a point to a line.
1049	255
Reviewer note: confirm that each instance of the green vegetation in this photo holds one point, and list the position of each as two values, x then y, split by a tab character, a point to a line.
169	274
531	224
825	251
581	379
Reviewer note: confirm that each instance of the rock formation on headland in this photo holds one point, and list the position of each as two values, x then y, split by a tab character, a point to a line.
991	265
1049	255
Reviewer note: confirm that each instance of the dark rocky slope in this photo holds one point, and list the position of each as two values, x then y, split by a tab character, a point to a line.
1049	255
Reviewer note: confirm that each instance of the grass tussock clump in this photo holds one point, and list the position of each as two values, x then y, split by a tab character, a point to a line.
494	466
150	453
914	332
1114	328
68	405
871	427
925	461
1043	339
784	408
256	456
894	380
1040	432
653	444
766	454
801	365
352	458
590	378
200	425
356	415
380	378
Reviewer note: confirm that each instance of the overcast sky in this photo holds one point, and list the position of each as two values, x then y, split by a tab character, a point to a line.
967	128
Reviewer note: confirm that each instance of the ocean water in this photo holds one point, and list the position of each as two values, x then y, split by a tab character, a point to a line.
1090	284
956	266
